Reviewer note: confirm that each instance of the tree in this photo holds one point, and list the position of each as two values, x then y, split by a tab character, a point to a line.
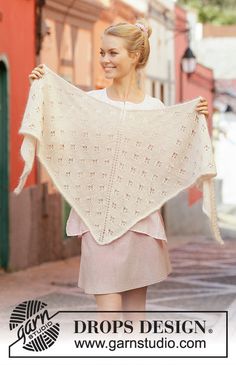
213	11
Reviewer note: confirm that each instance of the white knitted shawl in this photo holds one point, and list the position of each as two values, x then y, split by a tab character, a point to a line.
115	166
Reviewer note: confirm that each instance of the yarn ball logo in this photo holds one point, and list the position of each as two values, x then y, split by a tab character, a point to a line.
34	325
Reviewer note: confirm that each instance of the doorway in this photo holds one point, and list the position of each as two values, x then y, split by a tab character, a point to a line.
4	175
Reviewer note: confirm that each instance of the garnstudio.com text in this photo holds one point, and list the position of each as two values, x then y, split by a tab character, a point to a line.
145	326
161	343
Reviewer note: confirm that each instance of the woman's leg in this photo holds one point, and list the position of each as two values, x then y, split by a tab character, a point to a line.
109	302
134	300
129	300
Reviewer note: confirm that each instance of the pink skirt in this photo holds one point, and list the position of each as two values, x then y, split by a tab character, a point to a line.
132	261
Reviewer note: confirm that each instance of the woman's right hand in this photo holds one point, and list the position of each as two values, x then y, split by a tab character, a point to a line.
36	73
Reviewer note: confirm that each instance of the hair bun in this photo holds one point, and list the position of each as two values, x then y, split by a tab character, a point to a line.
143	24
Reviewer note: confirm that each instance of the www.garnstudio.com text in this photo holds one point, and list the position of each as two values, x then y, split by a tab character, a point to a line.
161	343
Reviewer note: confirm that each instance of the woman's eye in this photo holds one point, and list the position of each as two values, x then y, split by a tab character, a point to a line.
101	53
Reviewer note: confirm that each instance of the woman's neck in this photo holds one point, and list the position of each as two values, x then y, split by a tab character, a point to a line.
126	88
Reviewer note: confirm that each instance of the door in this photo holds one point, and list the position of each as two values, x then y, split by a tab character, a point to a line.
4	176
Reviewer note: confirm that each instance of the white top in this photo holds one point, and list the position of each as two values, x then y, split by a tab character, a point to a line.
148	103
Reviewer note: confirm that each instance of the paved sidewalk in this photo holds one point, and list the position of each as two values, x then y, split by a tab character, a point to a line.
203	277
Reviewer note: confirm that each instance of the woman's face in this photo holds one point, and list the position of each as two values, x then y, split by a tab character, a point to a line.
114	57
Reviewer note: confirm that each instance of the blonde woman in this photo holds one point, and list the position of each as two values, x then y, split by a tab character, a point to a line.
118	273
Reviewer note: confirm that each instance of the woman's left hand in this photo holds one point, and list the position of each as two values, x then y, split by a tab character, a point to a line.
202	107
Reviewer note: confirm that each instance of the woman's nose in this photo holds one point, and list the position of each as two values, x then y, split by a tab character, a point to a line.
106	59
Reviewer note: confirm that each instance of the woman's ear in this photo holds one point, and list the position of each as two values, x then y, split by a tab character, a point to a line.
136	56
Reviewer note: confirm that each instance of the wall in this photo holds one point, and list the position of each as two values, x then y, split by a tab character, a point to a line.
17	46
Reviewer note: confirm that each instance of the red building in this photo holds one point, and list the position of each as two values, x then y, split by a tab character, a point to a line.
17	57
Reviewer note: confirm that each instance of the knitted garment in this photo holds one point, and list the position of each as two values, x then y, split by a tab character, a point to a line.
115	166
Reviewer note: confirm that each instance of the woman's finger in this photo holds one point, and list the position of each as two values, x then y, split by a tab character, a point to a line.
203	112
202	108
199	109
37	73
39	70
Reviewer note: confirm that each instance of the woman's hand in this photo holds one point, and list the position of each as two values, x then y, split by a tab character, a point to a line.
36	73
202	107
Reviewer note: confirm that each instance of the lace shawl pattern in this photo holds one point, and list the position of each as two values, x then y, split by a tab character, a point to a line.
113	166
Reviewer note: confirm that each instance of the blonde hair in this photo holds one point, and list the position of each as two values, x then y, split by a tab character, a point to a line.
135	39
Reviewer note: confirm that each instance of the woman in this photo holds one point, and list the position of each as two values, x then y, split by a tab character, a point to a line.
119	273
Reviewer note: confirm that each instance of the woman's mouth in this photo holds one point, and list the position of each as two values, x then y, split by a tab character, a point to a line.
108	68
